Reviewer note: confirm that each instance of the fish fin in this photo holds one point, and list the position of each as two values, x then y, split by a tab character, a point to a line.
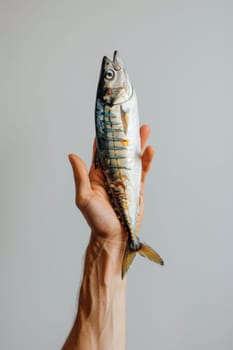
127	260
125	120
96	160
145	251
150	253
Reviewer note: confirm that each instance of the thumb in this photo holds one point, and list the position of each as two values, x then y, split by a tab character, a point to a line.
81	178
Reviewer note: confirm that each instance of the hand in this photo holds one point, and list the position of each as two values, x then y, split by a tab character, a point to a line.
93	200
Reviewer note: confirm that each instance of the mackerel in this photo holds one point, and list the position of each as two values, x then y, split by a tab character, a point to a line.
119	152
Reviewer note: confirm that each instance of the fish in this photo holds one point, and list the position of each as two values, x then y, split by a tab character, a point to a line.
118	152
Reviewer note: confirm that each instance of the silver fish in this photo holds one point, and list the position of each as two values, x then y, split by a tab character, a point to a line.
119	152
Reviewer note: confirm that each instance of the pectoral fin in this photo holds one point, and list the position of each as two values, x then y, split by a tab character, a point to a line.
125	120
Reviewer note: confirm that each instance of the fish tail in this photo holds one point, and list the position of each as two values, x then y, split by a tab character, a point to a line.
145	251
148	252
127	260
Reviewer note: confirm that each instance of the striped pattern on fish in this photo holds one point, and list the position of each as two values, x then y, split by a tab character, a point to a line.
118	151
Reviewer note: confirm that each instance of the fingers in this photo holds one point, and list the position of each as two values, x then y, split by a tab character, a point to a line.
148	153
144	134
147	158
81	178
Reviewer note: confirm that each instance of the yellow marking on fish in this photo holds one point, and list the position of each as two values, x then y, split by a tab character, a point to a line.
125	177
119	184
122	188
124	142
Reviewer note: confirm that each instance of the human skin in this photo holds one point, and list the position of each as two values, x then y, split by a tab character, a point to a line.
100	322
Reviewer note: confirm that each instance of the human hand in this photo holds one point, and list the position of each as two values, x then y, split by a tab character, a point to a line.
93	200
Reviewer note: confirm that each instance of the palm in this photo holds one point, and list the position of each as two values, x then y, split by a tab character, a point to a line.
93	200
102	217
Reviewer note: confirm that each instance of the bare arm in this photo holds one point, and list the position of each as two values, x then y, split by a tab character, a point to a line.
100	321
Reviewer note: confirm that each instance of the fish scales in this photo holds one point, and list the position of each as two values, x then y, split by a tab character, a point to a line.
117	173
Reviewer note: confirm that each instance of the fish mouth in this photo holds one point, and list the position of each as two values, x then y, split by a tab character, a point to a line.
116	61
115	53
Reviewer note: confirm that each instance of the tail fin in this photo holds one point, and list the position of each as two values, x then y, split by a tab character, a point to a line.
145	251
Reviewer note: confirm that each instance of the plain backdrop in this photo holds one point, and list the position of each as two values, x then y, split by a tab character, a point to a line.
179	56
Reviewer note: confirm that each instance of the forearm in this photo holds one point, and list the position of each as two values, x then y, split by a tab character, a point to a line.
100	322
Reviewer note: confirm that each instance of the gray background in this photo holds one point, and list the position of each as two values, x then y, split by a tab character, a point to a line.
179	57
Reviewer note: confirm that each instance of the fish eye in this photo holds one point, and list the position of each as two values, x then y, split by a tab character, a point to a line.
109	74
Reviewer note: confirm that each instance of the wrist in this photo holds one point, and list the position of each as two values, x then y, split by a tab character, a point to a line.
102	294
102	273
105	256
101	299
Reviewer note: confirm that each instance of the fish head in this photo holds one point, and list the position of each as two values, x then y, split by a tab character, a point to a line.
114	85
